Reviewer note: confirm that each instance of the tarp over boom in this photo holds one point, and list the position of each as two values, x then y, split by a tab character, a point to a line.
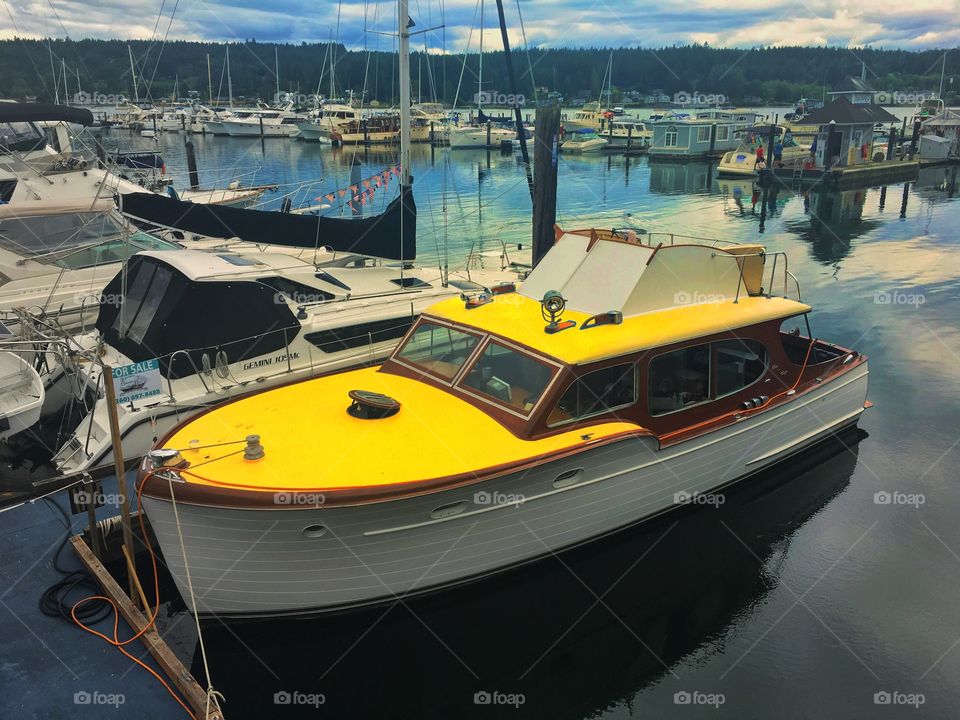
392	235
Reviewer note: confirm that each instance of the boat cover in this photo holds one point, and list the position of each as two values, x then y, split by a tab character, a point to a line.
392	235
38	112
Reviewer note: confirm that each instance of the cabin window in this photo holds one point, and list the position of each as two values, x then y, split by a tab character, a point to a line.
723	132
142	301
295	292
595	393
670	138
703	133
509	377
438	349
679	379
353	336
740	363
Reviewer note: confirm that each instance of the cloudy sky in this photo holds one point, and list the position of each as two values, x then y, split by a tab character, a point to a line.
908	24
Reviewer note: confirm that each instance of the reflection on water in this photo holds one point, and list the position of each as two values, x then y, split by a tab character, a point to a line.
573	634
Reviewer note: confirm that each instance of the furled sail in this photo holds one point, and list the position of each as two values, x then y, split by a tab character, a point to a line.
392	235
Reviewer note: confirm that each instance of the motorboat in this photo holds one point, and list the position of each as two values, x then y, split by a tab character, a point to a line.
297	320
21	395
378	129
588	117
630	375
465	137
624	132
743	160
55	258
582	142
263	123
329	118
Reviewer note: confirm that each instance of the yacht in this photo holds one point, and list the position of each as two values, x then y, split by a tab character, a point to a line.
621	132
589	117
329	119
582	142
378	129
263	123
629	376
466	137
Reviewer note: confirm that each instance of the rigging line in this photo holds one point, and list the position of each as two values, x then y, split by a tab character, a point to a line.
173	14
526	51
456	98
79	58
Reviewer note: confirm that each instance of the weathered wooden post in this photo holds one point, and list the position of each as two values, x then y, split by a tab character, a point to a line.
546	142
192	165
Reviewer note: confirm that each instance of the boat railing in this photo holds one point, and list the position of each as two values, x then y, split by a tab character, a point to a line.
787	275
672	238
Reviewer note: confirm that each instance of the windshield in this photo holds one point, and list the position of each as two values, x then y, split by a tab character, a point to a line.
438	349
508	377
74	240
15	133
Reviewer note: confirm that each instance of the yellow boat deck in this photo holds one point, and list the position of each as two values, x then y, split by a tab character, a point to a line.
311	443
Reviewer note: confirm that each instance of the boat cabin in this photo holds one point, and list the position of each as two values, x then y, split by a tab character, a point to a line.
679	335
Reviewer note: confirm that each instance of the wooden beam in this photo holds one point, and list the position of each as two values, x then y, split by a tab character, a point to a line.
175	671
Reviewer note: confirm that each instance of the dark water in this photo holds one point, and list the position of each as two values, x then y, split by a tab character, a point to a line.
803	596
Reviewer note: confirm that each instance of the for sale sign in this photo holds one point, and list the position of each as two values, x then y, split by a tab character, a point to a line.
137	381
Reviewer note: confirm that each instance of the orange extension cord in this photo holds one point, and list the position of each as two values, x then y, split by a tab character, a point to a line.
747	411
115	640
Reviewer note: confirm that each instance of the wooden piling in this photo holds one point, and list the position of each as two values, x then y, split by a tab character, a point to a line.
546	149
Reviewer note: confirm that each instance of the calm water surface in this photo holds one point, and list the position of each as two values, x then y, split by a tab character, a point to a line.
805	595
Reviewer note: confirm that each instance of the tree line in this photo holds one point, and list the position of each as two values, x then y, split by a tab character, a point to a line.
41	69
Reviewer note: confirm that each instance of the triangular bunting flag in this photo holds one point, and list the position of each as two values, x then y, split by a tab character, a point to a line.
329	197
366	183
342	192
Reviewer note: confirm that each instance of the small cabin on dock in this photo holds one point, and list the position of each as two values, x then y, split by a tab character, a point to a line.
946	125
705	134
845	133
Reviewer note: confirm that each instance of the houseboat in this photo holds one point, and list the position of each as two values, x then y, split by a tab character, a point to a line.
704	134
626	378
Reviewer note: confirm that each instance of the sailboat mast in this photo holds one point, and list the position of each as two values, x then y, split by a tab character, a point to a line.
53	75
333	64
404	47
276	65
229	79
609	79
133	74
480	74
63	71
209	80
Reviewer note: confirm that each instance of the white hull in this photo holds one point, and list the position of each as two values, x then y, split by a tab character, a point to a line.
250	562
312	132
21	395
469	137
255	129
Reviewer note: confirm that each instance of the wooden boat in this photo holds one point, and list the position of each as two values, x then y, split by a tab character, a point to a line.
378	129
625	379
